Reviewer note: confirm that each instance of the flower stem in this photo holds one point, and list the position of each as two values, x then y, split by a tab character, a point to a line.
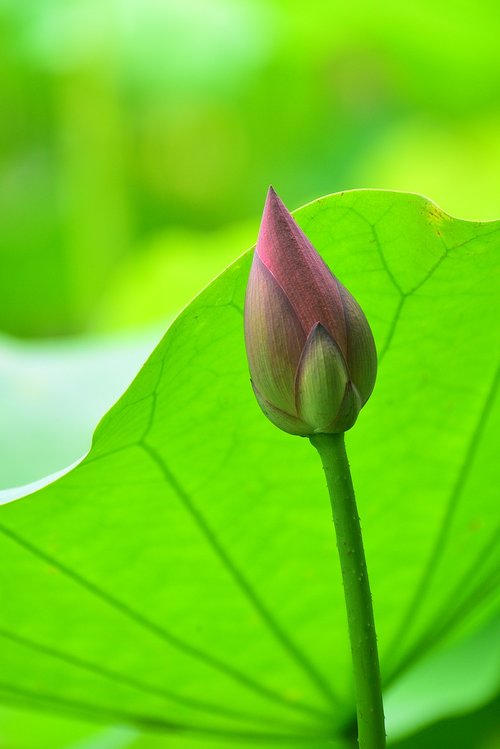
366	671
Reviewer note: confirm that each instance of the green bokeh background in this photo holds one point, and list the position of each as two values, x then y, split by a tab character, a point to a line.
137	140
138	136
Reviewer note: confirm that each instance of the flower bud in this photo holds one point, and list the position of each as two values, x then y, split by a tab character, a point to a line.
310	349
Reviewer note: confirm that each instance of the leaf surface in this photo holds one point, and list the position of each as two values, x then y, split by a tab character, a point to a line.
183	577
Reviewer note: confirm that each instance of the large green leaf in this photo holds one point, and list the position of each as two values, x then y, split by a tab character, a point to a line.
476	731
184	576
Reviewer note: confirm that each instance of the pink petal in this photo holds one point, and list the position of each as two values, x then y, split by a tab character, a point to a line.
281	419
321	380
306	280
361	353
274	338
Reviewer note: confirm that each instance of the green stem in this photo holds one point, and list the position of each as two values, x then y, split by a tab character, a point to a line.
371	731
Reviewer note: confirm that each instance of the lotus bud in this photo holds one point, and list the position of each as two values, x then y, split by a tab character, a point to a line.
310	349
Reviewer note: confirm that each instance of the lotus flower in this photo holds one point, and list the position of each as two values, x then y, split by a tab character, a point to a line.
310	349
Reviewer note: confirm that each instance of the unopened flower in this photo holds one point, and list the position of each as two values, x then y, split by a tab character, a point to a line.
310	349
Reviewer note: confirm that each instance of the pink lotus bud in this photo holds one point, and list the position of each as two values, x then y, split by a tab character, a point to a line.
310	349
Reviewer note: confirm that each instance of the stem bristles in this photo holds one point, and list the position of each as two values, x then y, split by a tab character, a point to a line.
358	600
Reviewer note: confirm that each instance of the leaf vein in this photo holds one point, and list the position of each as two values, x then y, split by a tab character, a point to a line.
248	591
423	587
158	631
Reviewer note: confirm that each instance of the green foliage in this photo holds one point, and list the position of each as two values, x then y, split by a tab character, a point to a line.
53	393
476	731
184	577
128	119
449	681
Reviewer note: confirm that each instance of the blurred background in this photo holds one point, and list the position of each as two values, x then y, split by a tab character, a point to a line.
137	141
138	137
